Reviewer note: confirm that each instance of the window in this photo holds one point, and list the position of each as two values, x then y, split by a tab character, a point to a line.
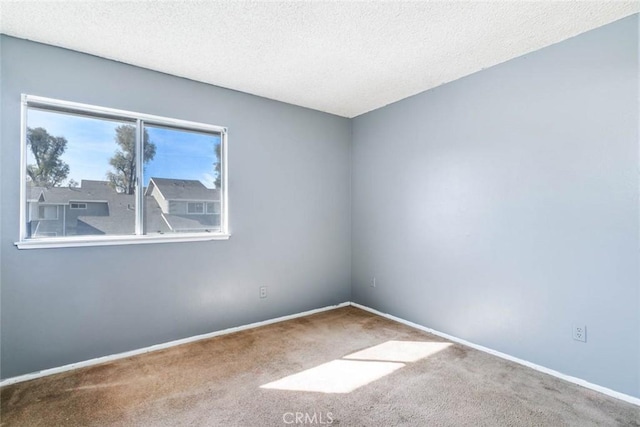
195	208
141	178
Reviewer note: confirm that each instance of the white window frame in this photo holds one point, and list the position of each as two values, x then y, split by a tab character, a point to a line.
77	207
141	119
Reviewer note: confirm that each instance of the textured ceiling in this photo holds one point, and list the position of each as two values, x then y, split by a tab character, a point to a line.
344	58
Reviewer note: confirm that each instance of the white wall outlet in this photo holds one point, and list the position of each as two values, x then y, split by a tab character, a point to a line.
372	282
263	291
580	333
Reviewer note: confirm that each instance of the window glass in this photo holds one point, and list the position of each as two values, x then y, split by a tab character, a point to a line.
97	172
195	207
182	177
71	157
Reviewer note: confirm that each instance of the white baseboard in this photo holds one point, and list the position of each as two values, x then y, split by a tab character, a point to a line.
578	381
103	359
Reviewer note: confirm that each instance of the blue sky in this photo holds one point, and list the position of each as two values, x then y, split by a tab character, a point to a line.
183	155
91	143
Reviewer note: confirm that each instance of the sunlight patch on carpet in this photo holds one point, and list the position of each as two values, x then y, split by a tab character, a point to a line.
337	376
359	368
399	351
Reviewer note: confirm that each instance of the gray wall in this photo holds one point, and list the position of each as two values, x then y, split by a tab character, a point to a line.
503	207
289	218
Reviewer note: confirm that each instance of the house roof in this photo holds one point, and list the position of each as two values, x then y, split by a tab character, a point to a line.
87	191
34	193
182	189
121	218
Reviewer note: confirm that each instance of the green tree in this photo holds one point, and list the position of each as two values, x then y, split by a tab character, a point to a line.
124	160
49	170
217	165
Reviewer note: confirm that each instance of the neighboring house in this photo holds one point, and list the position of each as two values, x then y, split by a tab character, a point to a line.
96	208
186	205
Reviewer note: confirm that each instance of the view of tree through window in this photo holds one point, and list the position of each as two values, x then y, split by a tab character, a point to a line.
69	161
180	180
82	177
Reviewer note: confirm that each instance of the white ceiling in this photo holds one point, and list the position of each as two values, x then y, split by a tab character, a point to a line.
344	58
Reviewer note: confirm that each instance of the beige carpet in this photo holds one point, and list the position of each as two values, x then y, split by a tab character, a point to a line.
403	378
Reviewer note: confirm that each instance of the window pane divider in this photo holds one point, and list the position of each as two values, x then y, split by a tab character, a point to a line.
139	188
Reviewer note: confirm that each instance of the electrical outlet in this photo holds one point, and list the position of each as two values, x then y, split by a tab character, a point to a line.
580	333
372	283
263	291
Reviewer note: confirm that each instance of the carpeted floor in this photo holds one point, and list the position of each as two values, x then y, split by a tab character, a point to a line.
262	377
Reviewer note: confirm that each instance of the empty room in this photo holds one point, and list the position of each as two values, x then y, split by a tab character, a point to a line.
353	213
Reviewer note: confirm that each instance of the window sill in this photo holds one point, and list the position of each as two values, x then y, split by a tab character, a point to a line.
72	242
